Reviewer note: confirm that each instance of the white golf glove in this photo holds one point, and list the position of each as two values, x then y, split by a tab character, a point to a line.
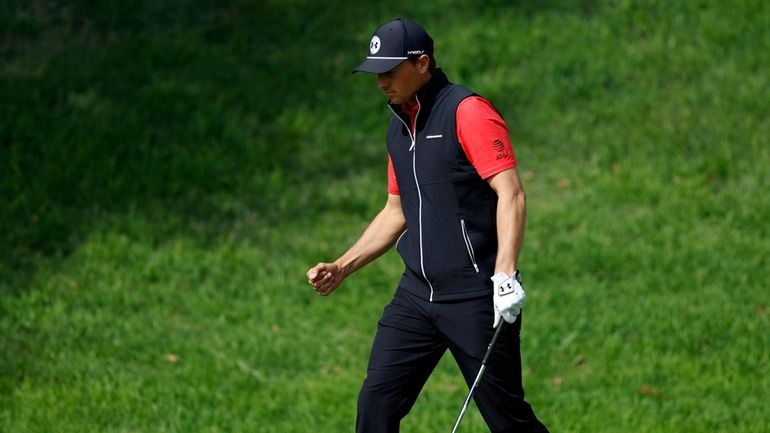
508	296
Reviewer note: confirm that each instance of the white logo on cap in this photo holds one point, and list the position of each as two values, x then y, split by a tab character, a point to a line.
374	45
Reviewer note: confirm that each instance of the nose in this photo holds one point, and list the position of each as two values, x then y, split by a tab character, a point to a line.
382	81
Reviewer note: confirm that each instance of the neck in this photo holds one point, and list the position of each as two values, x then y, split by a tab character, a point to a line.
423	81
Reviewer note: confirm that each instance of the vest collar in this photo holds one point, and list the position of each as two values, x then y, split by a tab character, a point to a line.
426	96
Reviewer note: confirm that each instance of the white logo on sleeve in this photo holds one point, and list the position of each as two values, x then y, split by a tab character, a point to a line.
374	45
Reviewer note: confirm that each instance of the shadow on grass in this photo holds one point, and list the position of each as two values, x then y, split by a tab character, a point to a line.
174	110
167	109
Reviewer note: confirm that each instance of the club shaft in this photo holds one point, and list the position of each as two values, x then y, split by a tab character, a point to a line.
468	399
478	376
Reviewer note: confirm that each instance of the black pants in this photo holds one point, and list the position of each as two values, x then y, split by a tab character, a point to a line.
412	336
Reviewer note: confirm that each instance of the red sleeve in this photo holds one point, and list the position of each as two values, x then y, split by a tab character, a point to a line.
392	184
483	136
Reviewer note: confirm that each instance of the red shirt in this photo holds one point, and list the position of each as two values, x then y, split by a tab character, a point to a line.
483	136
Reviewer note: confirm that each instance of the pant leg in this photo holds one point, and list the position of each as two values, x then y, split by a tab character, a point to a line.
405	351
467	327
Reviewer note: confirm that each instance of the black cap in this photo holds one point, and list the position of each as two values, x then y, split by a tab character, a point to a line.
393	43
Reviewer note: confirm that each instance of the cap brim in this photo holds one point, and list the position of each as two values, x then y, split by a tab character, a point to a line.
379	65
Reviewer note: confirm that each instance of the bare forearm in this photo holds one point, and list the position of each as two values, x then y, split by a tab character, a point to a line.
511	221
378	237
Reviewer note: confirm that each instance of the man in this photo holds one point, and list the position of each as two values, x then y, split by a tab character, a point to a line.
455	211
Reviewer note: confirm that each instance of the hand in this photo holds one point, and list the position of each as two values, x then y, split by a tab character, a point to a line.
508	297
325	277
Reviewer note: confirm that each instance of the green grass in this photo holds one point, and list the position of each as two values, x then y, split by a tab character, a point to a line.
169	171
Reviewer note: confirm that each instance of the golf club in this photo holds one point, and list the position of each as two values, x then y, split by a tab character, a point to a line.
480	373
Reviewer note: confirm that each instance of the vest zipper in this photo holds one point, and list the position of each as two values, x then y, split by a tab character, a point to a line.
413	149
468	245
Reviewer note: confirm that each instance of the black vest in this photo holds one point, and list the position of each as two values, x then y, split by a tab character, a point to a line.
450	244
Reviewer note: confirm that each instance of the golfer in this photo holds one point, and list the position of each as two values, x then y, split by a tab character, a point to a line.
455	212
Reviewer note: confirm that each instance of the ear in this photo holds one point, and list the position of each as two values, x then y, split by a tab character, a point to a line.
423	62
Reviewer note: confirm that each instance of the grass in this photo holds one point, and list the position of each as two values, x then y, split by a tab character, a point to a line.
168	173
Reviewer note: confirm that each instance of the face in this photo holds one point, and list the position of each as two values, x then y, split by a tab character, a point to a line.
402	82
